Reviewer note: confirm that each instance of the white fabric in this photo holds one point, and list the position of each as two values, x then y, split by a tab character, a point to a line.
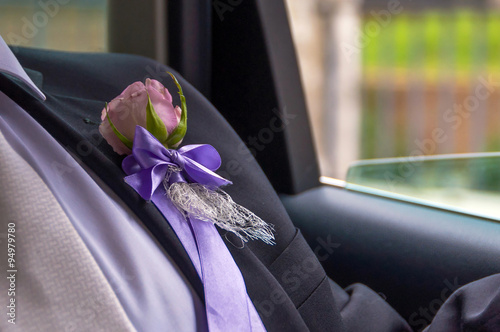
10	65
54	283
153	293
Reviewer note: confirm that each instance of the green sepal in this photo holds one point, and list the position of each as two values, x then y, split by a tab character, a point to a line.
154	124
180	131
128	143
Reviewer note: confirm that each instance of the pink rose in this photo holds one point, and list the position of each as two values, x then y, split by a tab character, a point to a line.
128	110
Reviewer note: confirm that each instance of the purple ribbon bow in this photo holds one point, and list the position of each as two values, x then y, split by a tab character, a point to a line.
150	161
228	306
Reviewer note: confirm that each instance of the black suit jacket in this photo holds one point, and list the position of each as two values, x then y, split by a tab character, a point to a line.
286	281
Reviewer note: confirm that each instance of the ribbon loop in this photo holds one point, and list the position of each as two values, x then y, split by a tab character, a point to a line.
149	162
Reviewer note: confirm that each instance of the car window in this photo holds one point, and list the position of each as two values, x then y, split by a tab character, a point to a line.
390	84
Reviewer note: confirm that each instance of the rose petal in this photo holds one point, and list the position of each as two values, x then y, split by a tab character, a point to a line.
131	89
128	112
164	109
150	83
113	140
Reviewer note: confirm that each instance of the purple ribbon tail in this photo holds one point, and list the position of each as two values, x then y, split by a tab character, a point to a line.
181	228
228	305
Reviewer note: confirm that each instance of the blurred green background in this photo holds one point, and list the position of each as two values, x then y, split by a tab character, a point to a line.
416	67
78	25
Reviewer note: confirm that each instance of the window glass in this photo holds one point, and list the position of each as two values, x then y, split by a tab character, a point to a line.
399	79
70	25
467	183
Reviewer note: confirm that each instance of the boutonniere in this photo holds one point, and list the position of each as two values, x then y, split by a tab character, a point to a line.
143	124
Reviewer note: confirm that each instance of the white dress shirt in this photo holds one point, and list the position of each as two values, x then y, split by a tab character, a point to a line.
152	291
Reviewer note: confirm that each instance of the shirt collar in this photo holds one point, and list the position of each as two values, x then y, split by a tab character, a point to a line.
10	65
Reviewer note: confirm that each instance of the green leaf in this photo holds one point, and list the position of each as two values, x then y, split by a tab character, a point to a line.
180	131
154	124
128	143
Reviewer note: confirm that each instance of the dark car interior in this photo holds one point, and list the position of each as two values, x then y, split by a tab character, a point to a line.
240	55
245	64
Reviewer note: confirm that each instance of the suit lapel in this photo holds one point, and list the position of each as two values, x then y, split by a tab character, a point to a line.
74	122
